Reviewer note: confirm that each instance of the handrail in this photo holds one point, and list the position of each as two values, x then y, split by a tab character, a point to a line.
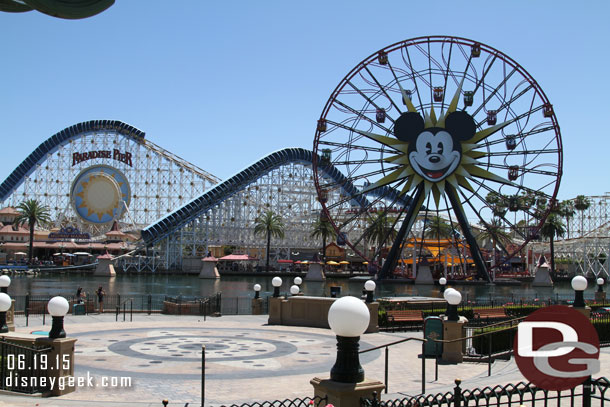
442	341
124	304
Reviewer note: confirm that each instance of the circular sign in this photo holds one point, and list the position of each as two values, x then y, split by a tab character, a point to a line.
100	194
557	348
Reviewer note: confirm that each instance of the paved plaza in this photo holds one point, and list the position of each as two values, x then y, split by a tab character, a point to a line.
246	360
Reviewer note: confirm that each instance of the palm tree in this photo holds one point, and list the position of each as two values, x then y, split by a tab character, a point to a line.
380	231
581	204
32	213
496	233
437	228
567	210
324	229
553	227
269	224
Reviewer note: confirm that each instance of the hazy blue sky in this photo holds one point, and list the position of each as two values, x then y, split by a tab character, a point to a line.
223	83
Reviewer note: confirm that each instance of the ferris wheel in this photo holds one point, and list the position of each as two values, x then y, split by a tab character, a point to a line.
442	141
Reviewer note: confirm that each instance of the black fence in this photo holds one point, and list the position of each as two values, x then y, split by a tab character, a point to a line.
23	369
591	393
298	402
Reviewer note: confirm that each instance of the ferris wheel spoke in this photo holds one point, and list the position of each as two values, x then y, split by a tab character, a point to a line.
363	116
414	75
385	140
369	100
494	92
351	146
384	92
482	80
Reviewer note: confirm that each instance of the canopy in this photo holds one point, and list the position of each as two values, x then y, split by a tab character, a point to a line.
21	254
63	254
237	257
285	261
332	263
210	258
82	254
344	262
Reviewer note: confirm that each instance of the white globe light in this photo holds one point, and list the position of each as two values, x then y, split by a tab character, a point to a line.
58	306
370	285
348	316
5	281
298	280
257	287
579	283
447	291
442	281
276	282
294	290
5	302
453	297
600	281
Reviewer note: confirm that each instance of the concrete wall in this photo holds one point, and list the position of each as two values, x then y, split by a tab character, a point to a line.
191	264
310	311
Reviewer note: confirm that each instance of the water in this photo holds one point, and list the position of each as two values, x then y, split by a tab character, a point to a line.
232	286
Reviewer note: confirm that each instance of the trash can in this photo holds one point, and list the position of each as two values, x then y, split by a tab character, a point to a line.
433	329
335	291
78	309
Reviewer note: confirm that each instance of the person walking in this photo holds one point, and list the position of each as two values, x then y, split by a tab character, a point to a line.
100	298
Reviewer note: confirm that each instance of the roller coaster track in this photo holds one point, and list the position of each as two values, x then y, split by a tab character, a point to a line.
52	143
224	190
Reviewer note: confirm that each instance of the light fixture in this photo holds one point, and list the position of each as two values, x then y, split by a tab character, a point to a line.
298	280
257	290
600	285
58	308
348	317
294	290
5	305
579	284
276	283
5	281
453	298
369	286
443	282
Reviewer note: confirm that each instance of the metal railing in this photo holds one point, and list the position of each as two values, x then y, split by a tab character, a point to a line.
124	305
590	393
18	362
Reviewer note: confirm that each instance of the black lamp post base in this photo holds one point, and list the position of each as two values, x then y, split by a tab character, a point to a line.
579	299
3	326
347	368
57	328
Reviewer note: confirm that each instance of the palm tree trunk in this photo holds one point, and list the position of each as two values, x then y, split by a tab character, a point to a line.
31	243
268	247
552	255
324	249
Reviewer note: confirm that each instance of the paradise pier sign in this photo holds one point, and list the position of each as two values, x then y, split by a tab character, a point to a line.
114	154
69	233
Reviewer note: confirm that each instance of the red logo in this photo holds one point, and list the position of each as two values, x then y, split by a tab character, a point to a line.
556	348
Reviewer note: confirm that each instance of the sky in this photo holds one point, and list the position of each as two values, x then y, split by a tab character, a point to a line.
222	84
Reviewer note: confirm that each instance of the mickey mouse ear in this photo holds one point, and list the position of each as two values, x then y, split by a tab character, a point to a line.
461	125
408	126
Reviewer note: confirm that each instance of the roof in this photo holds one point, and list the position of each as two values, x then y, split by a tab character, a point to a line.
237	257
8	230
9	210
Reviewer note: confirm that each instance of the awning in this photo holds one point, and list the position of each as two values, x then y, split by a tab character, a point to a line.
237	257
344	262
82	254
332	263
285	261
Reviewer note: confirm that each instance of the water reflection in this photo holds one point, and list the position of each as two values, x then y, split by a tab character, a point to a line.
231	286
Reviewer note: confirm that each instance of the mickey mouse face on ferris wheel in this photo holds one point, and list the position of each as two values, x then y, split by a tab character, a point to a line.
435	152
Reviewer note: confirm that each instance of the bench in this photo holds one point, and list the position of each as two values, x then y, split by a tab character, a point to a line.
489	313
410	317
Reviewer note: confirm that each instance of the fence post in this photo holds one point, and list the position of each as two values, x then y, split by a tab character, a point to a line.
386	370
457	394
489	355
27	308
149	304
586	392
423	367
202	375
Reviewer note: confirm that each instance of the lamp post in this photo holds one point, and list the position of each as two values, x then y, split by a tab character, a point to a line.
294	290
348	317
5	305
453	298
579	284
443	282
276	282
257	291
5	281
600	285
58	308
369	286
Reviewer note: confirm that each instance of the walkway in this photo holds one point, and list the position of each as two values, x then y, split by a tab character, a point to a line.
246	360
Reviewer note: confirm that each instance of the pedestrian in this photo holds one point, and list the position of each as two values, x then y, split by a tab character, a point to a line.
80	295
100	298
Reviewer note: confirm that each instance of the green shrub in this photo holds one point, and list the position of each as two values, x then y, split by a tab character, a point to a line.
500	340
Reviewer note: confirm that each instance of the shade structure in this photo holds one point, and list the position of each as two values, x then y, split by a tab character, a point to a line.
237	257
20	254
332	263
82	254
344	262
287	261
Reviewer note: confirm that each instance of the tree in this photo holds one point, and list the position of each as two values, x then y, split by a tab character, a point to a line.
494	232
32	213
437	228
553	227
322	228
567	210
269	224
582	203
380	230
